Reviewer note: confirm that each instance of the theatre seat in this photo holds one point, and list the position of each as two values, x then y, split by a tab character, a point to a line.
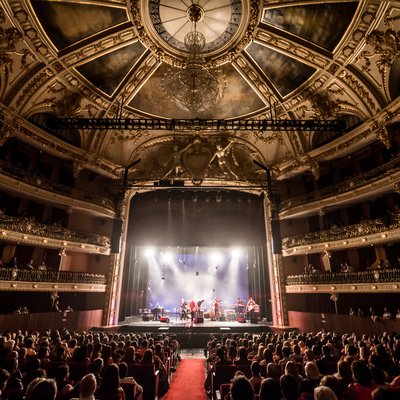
222	374
147	377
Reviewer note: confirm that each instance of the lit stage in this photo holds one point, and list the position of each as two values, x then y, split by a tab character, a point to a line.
190	335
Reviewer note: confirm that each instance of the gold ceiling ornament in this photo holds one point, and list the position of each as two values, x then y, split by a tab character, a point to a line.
195	87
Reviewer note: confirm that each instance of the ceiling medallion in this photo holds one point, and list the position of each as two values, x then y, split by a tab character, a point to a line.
195	87
227	26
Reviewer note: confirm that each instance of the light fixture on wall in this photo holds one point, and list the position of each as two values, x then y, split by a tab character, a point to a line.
196	86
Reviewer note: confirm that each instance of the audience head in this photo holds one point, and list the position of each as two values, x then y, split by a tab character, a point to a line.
110	382
311	371
361	373
255	368
291	369
324	393
87	386
333	383
241	388
289	387
41	389
270	389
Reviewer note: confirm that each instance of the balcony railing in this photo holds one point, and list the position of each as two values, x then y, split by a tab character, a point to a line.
31	227
346	186
364	228
54	187
375	276
16	274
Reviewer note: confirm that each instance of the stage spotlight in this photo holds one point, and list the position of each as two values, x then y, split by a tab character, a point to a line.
149	251
236	251
168	257
197	273
163	278
216	257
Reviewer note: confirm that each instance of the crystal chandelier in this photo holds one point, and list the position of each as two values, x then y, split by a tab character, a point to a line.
194	87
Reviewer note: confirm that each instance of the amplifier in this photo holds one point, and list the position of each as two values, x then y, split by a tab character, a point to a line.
164	319
146	317
241	318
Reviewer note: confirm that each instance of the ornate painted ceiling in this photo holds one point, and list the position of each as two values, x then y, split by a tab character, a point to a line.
293	59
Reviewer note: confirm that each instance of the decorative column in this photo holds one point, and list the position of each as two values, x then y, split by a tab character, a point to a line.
113	293
276	276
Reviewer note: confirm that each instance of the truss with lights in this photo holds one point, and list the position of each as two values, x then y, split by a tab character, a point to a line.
196	124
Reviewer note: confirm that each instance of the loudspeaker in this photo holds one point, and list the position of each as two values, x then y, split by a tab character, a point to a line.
116	235
199	320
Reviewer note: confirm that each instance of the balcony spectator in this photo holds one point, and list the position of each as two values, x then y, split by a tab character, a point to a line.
29	265
13	263
398	314
387	314
42	266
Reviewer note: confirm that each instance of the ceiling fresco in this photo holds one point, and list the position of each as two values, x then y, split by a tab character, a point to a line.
239	98
114	65
66	23
322	24
276	60
285	73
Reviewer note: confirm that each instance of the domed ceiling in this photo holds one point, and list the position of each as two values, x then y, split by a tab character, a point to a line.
280	60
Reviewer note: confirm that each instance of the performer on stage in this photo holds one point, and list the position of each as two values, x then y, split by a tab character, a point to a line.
250	309
240	306
183	306
192	306
217	311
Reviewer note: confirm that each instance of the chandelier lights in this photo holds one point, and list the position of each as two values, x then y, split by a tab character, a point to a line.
194	87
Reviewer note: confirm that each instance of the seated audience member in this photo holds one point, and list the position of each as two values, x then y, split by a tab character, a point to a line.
327	364
256	378
270	389
362	387
87	388
64	385
291	369
311	381
241	389
4	376
333	383
398	314
110	384
29	265
42	389
274	371
123	378
289	388
242	359
97	369
324	393
13	263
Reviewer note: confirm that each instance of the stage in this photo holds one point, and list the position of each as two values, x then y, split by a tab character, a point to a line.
190	335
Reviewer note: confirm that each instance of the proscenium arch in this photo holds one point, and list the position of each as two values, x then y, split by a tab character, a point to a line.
119	261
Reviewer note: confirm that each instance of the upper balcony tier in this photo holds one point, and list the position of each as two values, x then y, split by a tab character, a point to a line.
365	233
18	181
374	281
45	281
29	232
379	180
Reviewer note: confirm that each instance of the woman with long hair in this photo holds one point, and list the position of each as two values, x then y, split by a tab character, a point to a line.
110	384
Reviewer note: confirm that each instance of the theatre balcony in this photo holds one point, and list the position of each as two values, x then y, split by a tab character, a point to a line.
16	279
383	179
374	281
365	233
29	185
28	231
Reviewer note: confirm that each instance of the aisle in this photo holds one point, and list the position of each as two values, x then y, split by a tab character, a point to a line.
188	381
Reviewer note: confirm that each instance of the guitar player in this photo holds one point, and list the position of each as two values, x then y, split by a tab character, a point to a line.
250	309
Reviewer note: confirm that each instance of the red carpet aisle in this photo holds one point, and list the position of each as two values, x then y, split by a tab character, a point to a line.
188	381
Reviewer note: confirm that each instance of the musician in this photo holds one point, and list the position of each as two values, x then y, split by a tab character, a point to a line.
156	312
192	306
240	306
183	306
217	311
250	308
